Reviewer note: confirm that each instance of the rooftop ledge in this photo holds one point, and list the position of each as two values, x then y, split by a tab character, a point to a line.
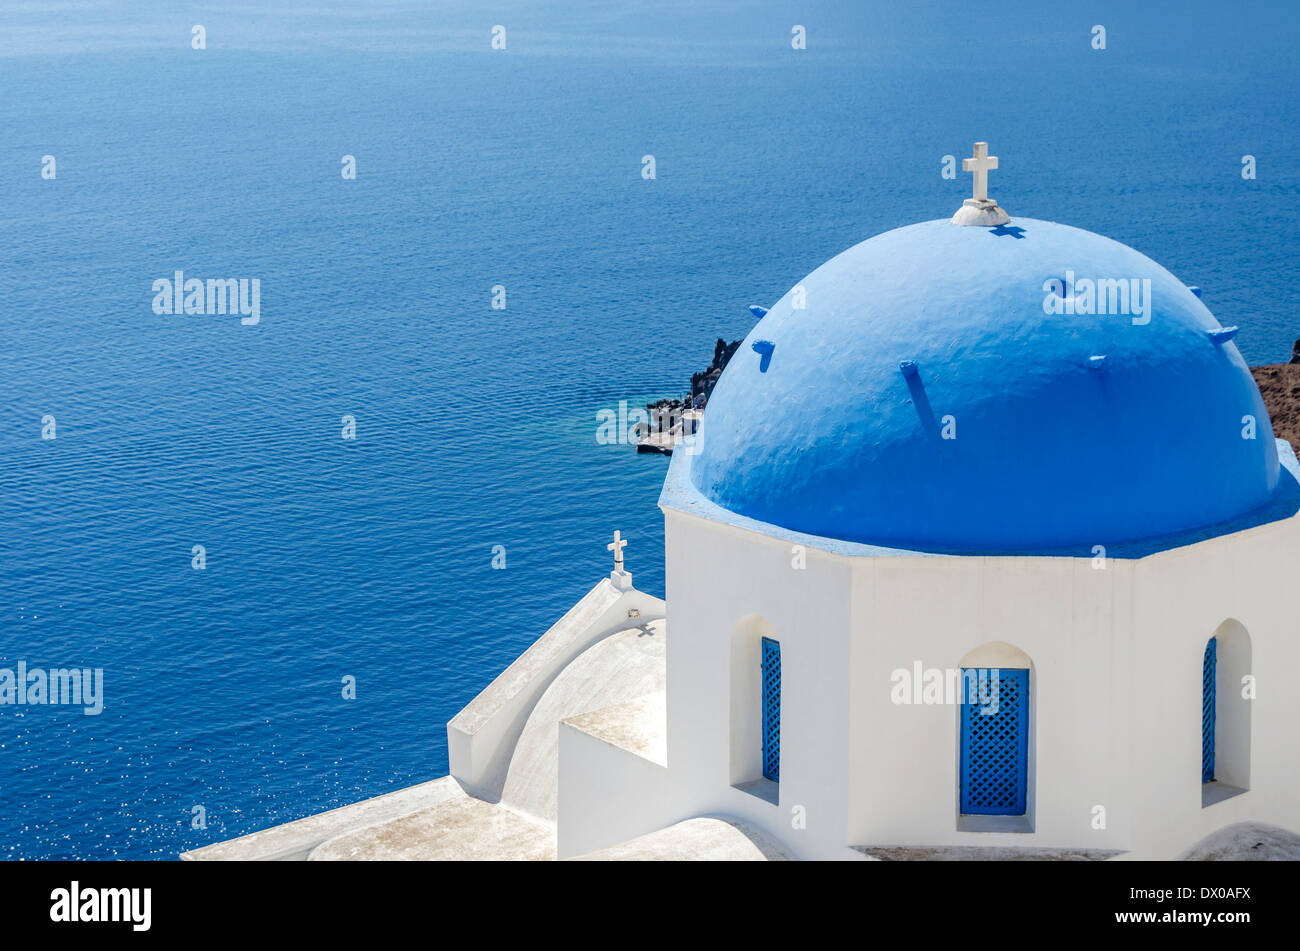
639	726
680	495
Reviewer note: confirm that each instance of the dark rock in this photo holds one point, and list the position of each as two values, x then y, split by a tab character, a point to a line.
1295	352
703	383
1279	385
723	352
666	412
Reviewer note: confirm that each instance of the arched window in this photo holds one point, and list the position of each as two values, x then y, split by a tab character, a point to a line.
756	708
1209	667
1227	694
995	738
771	710
994	741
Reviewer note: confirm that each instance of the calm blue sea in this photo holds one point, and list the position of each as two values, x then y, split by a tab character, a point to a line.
476	427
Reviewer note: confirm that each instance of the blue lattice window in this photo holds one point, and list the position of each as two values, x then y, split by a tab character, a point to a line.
771	710
1207	709
994	741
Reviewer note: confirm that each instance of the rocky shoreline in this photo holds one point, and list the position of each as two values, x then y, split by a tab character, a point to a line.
1279	384
671	418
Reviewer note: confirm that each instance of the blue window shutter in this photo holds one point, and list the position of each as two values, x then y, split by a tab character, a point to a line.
1207	709
994	745
771	710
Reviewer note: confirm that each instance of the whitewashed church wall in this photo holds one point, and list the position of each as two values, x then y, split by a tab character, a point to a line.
936	611
608	795
1116	692
1184	596
719	576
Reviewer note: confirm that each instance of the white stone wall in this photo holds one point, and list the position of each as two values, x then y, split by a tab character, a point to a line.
608	795
1115	719
1184	596
1073	623
719	577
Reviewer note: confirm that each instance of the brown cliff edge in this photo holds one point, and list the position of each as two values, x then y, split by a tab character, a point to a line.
1279	384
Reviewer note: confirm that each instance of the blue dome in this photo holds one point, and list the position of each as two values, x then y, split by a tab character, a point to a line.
1070	430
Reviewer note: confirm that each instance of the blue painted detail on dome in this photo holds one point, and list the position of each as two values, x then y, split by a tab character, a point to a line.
1195	290
764	350
1223	334
833	441
759	312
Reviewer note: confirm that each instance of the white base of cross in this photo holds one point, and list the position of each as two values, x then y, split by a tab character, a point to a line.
981	213
622	580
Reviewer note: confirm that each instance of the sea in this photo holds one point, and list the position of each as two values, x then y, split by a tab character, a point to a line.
355	593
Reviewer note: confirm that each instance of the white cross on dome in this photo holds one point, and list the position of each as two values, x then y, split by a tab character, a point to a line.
980	210
980	164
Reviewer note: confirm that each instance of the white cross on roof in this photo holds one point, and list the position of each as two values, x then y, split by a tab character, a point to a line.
980	164
617	546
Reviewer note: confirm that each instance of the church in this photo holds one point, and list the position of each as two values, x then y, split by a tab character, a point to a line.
983	549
